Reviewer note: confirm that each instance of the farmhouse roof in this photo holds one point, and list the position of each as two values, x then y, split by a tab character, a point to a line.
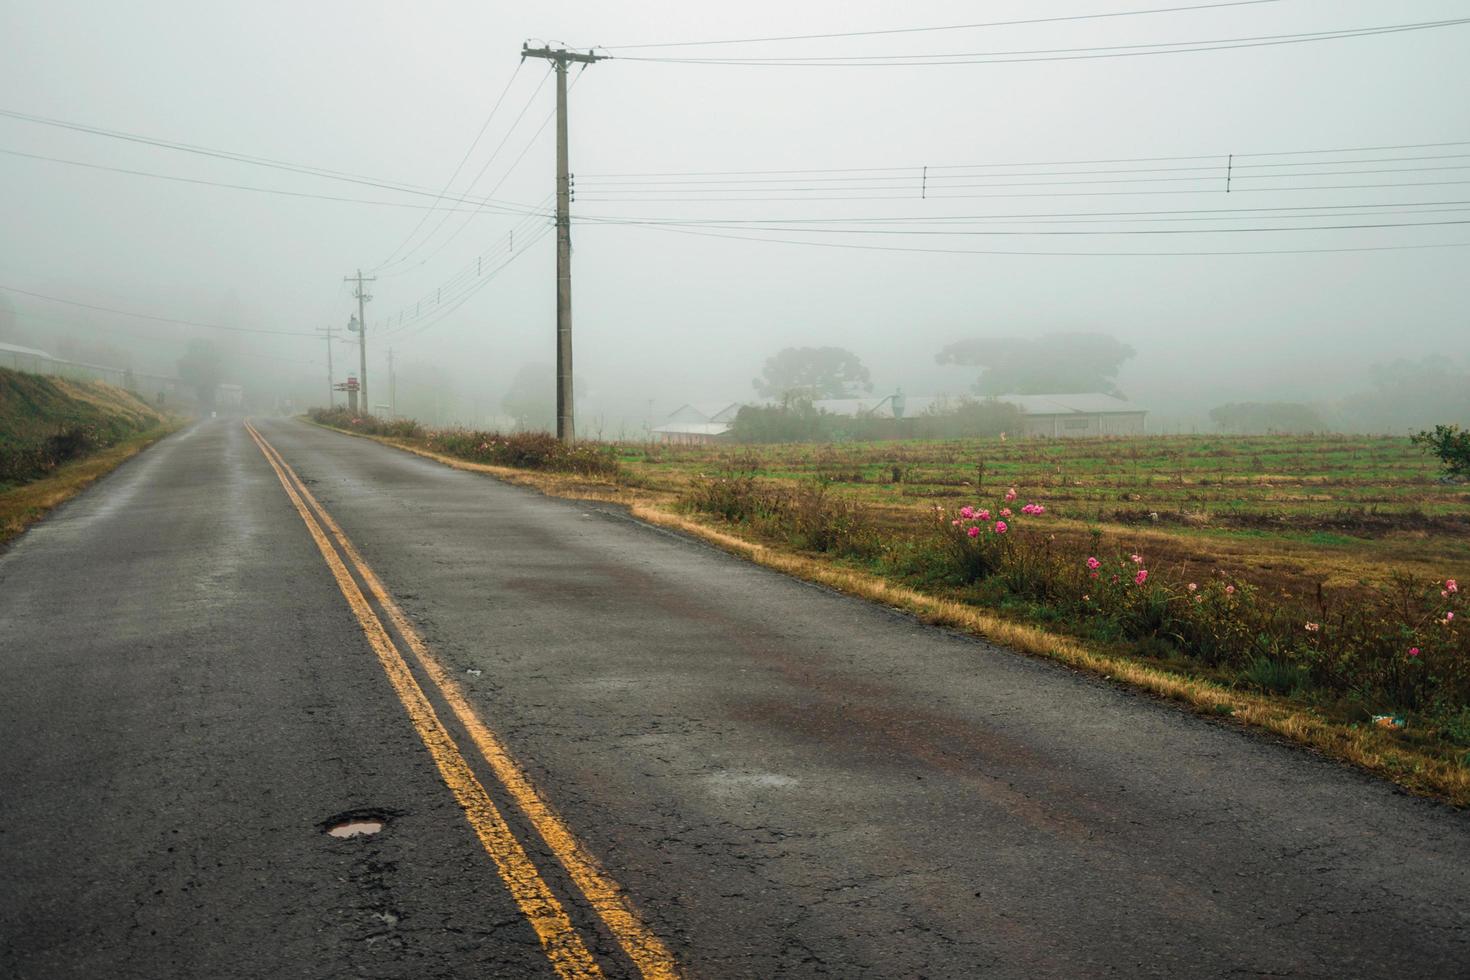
30	351
706	411
877	407
1086	404
693	428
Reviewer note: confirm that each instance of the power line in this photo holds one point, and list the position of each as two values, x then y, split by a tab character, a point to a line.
479	174
957	197
1130	231
480	205
458	167
913	174
1220	214
947	27
440	316
1044	163
971	251
731	189
110	330
1056	54
399	187
151	316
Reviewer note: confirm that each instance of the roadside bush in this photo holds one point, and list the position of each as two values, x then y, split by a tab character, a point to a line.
1400	648
809	517
1451	445
521	450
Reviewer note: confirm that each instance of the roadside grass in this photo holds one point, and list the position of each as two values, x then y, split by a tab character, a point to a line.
1246	661
58	435
23	505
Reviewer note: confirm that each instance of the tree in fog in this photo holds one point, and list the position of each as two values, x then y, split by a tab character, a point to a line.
202	369
1267	417
1411	395
531	398
812	373
1051	364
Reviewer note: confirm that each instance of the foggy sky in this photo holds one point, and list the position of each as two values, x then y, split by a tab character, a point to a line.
397	91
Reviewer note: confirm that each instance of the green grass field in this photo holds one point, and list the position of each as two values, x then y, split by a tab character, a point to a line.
1288	511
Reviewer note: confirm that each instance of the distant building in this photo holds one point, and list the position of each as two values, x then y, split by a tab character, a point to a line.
1062	416
25	358
699	423
1056	416
895	406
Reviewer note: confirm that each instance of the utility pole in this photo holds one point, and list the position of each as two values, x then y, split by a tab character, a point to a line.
362	297
331	333
392	387
560	58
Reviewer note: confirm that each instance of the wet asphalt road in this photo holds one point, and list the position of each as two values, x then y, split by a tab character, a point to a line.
786	782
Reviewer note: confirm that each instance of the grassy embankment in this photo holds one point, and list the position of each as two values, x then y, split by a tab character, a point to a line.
1318	563
58	436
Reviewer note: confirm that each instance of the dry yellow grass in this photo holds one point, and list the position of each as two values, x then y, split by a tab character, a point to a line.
24	505
1380	752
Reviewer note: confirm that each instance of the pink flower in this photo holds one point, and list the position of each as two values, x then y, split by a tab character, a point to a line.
1141	577
1005	512
1450	585
1199	598
1093	563
982	514
1087	598
1137	559
1094	575
955	523
1413	651
1011	494
1191	586
1230	590
1449	617
1038	509
1313	627
1000	527
974	531
967	511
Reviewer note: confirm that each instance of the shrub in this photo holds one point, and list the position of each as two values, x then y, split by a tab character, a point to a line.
1451	445
522	450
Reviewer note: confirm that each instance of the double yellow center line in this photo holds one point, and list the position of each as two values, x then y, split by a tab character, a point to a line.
560	939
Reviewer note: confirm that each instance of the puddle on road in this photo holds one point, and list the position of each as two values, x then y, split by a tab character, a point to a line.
355	828
355	823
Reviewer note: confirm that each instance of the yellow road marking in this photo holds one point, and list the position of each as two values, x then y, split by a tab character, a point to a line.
563	946
605	895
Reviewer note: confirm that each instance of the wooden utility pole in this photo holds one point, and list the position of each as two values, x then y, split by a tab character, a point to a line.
331	332
362	297
392	387
560	58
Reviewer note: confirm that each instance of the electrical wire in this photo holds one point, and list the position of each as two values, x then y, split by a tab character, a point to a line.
915	174
947	27
957	197
459	166
485	204
484	281
151	316
1110	254
1056	54
387	266
1200	214
1046	163
1130	231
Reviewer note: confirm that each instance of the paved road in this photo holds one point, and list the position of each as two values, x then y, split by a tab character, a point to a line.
782	781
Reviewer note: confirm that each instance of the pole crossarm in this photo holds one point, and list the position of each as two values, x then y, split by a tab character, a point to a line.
561	54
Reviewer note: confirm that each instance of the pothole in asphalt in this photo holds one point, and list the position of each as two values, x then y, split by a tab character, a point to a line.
355	823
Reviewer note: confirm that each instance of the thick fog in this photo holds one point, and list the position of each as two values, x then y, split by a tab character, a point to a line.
1368	323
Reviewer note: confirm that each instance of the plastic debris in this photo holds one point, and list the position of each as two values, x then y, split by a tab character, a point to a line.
1388	721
